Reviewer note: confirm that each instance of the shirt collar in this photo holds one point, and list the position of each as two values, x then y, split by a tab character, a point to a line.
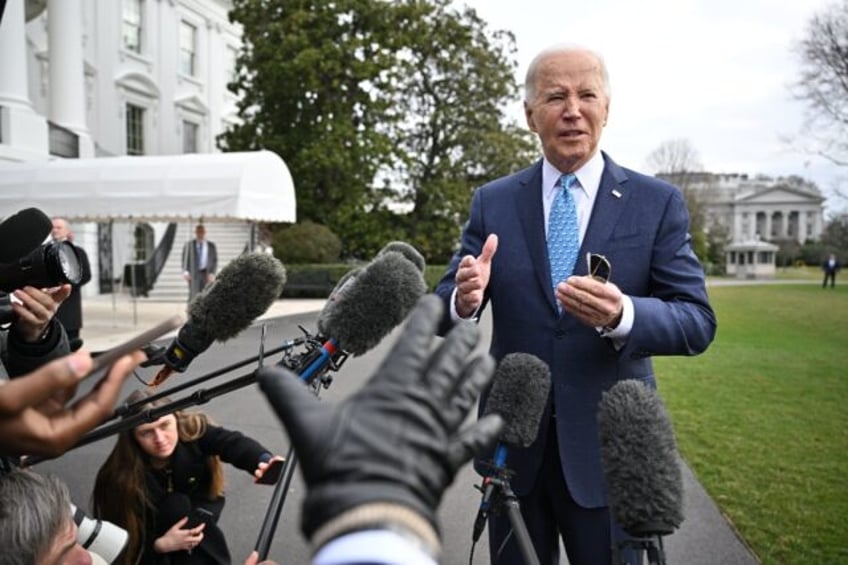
589	176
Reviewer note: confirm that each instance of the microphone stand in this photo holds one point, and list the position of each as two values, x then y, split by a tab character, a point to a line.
275	506
522	536
503	498
312	368
651	544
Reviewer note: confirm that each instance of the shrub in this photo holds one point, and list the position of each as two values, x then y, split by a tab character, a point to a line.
307	242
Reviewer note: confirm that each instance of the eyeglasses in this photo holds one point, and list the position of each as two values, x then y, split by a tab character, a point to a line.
598	266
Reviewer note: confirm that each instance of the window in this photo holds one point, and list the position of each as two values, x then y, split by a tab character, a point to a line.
230	56
190	137
188	48
135	130
132	25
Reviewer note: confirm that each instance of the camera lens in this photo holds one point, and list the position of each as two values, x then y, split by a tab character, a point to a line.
65	263
49	265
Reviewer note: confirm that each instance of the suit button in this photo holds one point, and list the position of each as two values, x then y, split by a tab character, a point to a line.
559	334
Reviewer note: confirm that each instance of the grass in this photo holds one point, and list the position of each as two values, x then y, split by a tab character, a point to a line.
762	418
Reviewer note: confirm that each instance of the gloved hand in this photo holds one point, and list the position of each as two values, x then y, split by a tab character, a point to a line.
395	441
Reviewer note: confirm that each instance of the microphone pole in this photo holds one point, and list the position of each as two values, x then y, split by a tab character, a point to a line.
196	398
519	528
127	408
652	545
313	369
275	506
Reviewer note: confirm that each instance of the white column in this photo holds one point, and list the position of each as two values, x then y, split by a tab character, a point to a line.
767	236
24	132
67	70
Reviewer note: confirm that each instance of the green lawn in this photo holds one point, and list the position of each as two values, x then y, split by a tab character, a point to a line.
762	417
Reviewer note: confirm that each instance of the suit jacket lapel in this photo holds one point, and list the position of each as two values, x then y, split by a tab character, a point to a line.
610	202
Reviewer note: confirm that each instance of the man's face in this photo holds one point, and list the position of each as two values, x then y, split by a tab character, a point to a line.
65	550
200	232
158	439
569	108
60	230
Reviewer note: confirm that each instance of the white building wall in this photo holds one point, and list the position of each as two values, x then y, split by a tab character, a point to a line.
151	79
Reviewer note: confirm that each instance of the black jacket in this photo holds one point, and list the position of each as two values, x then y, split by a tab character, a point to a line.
70	311
189	474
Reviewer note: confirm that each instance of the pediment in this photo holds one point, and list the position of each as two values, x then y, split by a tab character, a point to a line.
779	195
138	83
192	103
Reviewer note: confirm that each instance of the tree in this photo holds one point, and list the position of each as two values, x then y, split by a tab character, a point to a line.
823	87
307	80
834	238
388	114
677	161
454	79
823	82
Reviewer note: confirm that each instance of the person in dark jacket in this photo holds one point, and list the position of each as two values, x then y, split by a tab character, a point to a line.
200	262
830	267
162	475
70	311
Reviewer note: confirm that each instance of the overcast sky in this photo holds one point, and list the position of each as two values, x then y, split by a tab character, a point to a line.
715	72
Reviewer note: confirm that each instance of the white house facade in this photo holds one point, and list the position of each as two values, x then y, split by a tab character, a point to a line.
96	79
759	208
127	77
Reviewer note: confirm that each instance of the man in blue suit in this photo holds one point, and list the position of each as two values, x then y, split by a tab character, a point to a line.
591	333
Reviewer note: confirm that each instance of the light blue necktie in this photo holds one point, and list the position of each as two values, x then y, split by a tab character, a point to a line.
563	232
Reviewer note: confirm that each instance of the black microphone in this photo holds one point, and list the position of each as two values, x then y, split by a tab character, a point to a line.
22	232
367	304
640	462
519	395
243	291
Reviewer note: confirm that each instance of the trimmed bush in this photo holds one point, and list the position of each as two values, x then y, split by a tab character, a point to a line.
306	242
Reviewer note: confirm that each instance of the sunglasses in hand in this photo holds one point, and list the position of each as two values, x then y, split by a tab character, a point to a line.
598	267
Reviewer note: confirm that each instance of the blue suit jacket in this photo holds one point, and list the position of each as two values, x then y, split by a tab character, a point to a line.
641	225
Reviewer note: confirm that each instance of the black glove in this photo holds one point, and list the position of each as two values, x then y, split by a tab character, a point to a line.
397	440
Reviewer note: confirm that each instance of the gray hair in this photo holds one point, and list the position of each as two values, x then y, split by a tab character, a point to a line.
33	510
530	77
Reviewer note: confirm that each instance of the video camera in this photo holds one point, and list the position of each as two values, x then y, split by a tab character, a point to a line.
24	260
51	264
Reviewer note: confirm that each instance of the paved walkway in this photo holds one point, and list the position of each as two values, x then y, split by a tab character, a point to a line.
705	538
109	320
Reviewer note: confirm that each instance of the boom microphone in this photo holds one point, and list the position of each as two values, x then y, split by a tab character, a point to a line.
369	303
243	291
519	395
640	462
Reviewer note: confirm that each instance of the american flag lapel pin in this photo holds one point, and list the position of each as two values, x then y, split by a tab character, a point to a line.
616	193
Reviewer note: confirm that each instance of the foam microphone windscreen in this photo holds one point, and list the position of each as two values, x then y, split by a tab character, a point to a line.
372	302
242	291
22	232
519	394
640	460
407	251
